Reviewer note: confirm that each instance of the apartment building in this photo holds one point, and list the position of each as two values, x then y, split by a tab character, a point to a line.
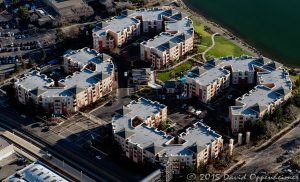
175	38
134	128
274	87
206	82
92	78
270	80
115	32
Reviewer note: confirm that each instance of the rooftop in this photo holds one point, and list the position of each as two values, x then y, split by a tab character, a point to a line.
155	141
36	172
178	23
207	74
83	79
60	4
3	144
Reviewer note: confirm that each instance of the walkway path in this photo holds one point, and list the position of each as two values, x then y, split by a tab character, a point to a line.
209	48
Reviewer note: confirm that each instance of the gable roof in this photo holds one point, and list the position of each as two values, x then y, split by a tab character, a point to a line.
196	148
274	65
198	71
101	76
105	57
258	108
76	90
154	149
127	12
125	133
282	91
214	62
102	25
179	16
37	91
123	111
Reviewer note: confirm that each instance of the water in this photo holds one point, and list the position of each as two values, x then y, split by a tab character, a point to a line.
272	26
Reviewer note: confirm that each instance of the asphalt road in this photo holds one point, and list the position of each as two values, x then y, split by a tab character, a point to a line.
41	155
266	159
103	168
106	112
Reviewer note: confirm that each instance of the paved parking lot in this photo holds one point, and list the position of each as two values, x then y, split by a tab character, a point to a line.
78	129
181	120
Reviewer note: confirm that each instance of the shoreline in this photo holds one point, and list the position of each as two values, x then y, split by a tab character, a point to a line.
216	28
229	35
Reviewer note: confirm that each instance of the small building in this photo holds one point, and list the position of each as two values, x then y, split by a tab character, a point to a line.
36	172
70	9
141	76
6	148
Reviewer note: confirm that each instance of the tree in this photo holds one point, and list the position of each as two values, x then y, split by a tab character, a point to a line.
278	114
202	168
24	13
43	55
297	83
16	68
257	128
163	125
23	65
266	116
15	1
60	36
296	99
189	169
29	65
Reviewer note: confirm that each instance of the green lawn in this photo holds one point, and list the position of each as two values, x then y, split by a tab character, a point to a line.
296	159
294	77
206	37
165	76
224	47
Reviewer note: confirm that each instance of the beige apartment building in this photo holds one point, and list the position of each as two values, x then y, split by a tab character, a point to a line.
274	88
92	78
134	128
175	38
206	82
270	80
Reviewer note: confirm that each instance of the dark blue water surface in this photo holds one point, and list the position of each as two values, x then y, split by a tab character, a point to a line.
272	26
